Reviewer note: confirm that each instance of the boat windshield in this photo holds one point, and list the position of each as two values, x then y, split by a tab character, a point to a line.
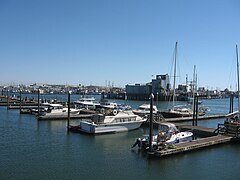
167	128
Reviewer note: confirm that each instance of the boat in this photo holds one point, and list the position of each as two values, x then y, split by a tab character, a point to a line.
87	103
43	109
144	109
58	109
107	107
167	134
99	124
181	110
233	118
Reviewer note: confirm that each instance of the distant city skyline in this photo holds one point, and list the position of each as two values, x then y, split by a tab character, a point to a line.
121	42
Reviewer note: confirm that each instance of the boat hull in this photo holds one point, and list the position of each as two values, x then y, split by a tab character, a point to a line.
178	115
92	128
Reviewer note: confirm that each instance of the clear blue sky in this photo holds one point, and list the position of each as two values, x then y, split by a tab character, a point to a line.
122	41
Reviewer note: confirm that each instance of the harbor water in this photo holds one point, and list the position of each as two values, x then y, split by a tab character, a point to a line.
32	149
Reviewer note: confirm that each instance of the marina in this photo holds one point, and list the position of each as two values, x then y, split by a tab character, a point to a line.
34	134
119	90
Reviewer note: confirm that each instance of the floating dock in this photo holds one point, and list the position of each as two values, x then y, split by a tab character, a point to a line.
223	134
192	145
190	118
198	130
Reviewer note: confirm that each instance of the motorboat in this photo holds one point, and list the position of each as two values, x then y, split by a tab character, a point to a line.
58	109
167	134
123	121
107	104
107	107
87	103
144	109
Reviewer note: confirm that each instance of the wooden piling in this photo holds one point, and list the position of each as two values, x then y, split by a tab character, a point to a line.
20	101
151	122
68	122
38	103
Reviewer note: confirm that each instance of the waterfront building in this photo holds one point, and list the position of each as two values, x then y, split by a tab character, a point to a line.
160	88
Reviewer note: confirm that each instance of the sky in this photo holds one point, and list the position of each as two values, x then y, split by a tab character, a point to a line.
94	42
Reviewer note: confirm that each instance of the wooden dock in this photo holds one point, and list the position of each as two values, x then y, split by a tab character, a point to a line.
190	118
197	130
192	145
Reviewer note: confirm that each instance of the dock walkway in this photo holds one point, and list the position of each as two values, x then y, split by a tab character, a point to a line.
190	118
193	145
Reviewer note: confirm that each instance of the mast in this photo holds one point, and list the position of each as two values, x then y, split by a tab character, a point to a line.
238	80
174	75
193	84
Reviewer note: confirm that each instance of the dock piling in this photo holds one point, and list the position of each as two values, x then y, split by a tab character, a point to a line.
38	103
20	101
151	121
68	110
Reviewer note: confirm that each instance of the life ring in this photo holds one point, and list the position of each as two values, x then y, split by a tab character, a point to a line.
115	112
102	111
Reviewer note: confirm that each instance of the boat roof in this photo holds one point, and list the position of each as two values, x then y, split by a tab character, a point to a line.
169	125
147	106
56	105
87	99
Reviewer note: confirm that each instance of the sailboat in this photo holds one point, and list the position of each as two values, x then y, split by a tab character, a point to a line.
178	111
234	117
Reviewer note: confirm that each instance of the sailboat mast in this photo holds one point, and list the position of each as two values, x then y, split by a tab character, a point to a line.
193	85
238	79
174	75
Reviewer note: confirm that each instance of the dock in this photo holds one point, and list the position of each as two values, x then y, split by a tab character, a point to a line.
224	133
193	145
190	118
197	130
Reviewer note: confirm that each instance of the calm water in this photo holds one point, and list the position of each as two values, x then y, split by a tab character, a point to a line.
44	150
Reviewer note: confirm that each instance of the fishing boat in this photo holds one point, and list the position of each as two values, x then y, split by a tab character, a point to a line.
99	124
167	134
144	109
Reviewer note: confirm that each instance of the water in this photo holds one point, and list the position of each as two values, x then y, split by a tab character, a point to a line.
45	150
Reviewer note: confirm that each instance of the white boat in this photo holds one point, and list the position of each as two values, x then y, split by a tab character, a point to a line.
107	107
107	104
167	134
181	111
58	109
87	103
123	121
234	117
144	109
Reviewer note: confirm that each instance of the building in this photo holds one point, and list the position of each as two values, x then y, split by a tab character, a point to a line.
160	88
